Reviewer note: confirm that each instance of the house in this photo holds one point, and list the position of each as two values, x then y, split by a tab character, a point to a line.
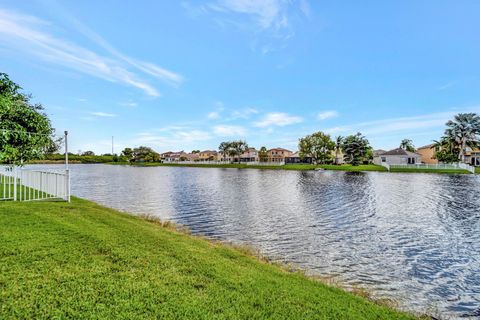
190	157
173	156
427	153
472	156
398	156
278	154
378	152
251	155
225	157
295	158
207	155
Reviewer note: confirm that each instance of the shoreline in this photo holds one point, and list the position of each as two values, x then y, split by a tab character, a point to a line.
180	269
303	167
289	167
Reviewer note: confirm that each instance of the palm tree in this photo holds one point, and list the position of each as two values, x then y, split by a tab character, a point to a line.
446	150
464	130
237	148
224	148
407	144
338	148
263	154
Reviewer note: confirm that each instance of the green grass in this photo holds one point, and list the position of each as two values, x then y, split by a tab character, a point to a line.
82	261
424	170
346	167
301	167
477	170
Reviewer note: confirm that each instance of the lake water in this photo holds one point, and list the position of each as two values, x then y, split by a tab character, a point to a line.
411	237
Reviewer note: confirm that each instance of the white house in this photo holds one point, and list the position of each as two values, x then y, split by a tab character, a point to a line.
398	156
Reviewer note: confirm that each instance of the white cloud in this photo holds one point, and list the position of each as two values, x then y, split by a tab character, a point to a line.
103	114
213	115
227	131
243	113
130	104
277	119
399	125
266	13
324	115
447	85
27	35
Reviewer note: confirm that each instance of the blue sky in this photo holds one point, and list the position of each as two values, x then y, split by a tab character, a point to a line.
187	75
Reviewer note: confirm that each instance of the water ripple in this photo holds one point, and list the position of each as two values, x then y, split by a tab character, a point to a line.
414	238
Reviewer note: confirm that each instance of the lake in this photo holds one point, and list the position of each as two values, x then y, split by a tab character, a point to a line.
414	238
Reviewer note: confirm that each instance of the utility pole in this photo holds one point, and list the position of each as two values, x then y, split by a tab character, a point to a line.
112	146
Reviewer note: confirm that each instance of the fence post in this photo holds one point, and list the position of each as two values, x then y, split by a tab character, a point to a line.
14	183
67	185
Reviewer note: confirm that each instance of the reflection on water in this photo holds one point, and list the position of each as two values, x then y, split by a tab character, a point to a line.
411	237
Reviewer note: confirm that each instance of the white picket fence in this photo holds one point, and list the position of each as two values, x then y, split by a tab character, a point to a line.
252	163
32	185
258	163
439	166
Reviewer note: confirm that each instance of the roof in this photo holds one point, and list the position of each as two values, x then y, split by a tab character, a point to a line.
279	149
400	152
428	146
208	151
378	152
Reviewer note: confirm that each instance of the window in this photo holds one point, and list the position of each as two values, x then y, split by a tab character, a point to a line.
384	159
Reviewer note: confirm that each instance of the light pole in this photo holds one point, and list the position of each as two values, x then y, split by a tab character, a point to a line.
66	150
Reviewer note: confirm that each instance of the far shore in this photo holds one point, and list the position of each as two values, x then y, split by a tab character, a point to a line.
298	167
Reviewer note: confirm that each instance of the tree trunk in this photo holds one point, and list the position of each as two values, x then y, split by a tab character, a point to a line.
461	155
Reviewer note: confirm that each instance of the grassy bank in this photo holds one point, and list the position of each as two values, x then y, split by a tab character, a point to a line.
346	167
422	170
81	260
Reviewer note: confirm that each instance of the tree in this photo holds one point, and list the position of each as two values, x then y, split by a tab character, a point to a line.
446	150
88	153
338	148
407	144
233	148
128	154
145	154
223	148
356	149
464	131
263	154
25	130
195	151
318	145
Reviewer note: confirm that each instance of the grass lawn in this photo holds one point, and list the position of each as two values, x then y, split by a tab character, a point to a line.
346	167
477	170
423	170
80	260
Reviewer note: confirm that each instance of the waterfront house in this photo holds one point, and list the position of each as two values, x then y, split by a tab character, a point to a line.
251	155
173	156
428	154
398	156
190	157
472	156
295	158
278	154
207	155
378	152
